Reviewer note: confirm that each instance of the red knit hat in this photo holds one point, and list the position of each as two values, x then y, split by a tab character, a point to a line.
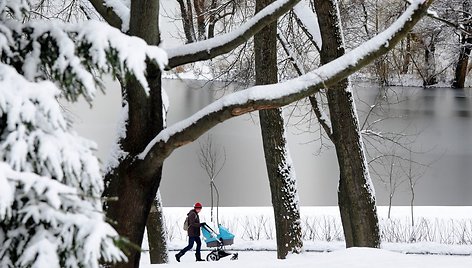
197	205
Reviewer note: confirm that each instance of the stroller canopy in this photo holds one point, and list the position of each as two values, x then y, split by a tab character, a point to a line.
213	239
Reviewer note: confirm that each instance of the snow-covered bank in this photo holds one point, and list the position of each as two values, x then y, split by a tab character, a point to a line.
347	258
437	230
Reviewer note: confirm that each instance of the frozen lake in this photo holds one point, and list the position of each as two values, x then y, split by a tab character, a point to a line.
435	123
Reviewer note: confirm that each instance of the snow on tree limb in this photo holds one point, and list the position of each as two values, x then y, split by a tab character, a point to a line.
116	19
224	43
74	53
277	95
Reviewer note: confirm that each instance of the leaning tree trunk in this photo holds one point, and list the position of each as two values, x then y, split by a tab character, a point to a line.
156	233
355	194
465	50
134	184
279	167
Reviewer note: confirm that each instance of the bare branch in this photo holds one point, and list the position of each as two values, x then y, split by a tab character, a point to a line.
458	27
315	103
274	96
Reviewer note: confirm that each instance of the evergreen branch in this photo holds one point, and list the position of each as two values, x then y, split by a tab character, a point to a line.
76	56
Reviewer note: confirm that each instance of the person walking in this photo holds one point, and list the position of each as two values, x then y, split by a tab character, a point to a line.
193	231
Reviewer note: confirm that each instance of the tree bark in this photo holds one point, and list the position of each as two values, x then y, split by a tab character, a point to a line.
355	194
156	233
134	184
279	168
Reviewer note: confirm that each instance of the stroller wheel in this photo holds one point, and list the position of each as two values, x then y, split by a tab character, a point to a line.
234	257
213	256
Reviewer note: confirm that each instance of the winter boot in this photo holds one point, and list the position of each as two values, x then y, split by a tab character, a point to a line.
178	255
198	256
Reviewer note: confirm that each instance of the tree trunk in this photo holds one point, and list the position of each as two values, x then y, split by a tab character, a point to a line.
187	21
156	233
461	67
212	20
406	55
282	183
355	194
430	61
134	184
279	167
200	12
466	49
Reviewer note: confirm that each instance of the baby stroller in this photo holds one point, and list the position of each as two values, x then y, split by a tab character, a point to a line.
218	241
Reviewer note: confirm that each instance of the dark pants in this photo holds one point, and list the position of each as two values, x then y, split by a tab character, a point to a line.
191	240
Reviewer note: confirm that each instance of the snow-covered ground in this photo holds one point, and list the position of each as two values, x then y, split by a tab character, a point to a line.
255	238
347	258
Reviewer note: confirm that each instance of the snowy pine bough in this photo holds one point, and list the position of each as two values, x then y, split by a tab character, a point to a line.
50	181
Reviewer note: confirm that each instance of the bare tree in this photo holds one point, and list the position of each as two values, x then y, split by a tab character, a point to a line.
413	171
392	179
212	159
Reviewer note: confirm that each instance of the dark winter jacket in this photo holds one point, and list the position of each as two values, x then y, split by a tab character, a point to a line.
193	224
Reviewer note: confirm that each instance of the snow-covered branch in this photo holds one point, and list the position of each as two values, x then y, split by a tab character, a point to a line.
114	12
277	95
224	43
74	54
